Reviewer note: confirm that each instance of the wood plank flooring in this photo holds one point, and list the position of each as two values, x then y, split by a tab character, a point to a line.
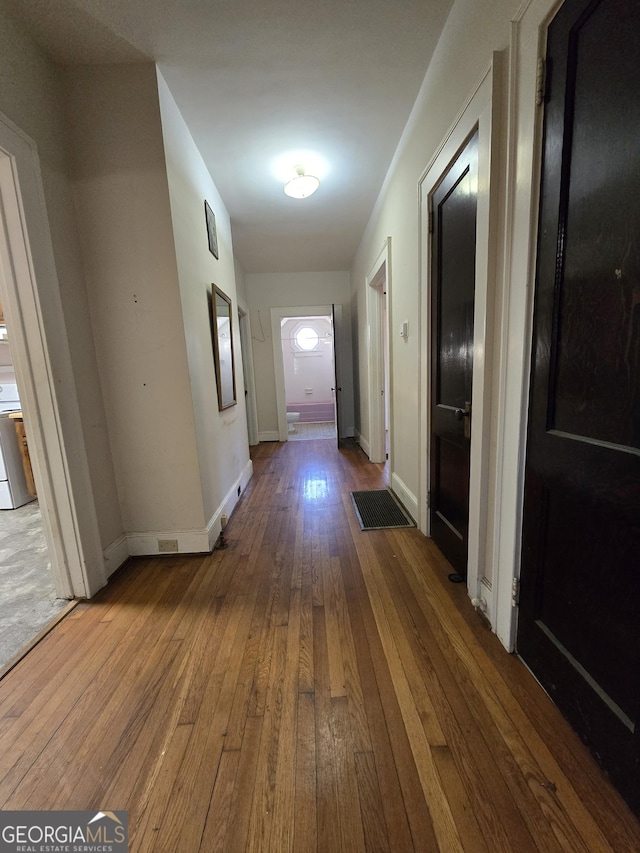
309	688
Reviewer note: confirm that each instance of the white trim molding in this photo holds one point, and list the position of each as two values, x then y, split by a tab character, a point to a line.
482	112
146	544
116	554
406	497
528	42
378	282
30	294
194	541
229	503
244	321
363	443
277	315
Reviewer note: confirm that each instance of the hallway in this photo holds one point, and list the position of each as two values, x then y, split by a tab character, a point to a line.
308	688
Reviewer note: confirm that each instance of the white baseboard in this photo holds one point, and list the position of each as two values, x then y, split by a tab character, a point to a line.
269	435
115	555
188	542
214	527
145	544
362	441
486	592
406	497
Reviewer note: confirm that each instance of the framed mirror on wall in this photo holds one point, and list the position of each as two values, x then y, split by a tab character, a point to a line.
222	335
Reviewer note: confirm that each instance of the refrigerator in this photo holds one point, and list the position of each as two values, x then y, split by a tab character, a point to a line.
13	483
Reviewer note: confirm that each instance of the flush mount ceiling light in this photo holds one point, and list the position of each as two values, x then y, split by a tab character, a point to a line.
302	185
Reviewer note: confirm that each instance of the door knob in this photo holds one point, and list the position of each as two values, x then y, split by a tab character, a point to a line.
465	414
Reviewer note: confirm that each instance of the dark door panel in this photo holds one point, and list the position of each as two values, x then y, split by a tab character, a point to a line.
454	207
579	621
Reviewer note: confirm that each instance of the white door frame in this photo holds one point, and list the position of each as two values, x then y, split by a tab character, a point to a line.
277	315
377	281
338	368
524	158
482	112
249	375
28	283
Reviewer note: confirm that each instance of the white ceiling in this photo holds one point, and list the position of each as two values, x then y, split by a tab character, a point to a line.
255	79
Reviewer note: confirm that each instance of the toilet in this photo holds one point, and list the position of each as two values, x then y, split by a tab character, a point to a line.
292	420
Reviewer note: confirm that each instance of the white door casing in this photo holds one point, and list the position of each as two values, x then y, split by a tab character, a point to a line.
524	155
249	376
338	368
27	270
277	315
482	110
378	281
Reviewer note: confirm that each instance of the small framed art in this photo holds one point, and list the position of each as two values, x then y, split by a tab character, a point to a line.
212	234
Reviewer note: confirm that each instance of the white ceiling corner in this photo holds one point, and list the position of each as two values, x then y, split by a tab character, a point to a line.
256	79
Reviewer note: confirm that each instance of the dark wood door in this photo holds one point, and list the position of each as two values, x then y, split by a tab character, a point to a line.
453	216
580	585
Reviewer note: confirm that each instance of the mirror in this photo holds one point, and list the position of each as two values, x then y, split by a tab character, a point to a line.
222	334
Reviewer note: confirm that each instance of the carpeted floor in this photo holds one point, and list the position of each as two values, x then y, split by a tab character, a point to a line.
309	432
27	597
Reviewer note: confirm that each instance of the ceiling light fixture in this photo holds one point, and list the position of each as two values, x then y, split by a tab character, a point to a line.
302	185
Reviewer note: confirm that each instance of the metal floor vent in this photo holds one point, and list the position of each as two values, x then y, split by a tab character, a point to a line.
378	509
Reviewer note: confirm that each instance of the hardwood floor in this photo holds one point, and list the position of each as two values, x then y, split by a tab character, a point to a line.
309	688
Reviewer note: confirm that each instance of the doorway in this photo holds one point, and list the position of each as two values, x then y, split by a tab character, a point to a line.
578	626
453	261
482	115
309	377
30	295
379	447
334	312
28	597
248	376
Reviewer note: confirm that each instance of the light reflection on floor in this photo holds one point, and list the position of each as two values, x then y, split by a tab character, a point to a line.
315	487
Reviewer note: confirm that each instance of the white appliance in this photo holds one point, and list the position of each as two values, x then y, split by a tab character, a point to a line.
13	484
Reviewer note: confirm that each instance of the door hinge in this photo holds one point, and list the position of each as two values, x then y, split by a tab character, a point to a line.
430	223
428	500
515	592
541	81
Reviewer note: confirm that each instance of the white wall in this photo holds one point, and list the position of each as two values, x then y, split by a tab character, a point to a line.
222	442
308	376
474	29
32	96
279	290
157	465
241	286
124	217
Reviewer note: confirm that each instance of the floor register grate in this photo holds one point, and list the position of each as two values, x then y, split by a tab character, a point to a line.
378	509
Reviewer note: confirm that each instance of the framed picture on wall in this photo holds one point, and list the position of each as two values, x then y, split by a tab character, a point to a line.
221	318
212	234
